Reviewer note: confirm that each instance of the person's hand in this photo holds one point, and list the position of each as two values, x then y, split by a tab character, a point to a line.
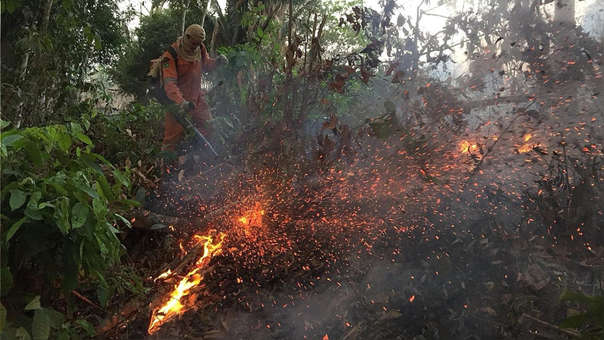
222	59
187	106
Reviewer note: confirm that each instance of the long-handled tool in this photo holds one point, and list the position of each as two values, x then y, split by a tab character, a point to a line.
181	117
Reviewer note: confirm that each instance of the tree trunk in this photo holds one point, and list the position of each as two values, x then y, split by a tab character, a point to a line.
184	18
214	34
46	17
564	12
203	17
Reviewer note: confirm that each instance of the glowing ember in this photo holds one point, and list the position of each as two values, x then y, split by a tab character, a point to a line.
252	217
467	147
163	275
526	147
527	137
174	307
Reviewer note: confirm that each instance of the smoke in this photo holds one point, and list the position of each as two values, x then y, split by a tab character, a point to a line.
378	225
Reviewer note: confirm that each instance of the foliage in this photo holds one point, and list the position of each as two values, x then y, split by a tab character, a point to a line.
155	34
62	205
48	50
591	321
567	196
41	323
133	135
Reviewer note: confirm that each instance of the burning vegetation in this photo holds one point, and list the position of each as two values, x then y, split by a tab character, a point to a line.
371	179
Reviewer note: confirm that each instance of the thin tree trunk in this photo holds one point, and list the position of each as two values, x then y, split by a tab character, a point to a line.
203	17
46	17
184	18
214	34
564	12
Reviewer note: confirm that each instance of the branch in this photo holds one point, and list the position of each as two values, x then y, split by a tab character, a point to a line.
544	323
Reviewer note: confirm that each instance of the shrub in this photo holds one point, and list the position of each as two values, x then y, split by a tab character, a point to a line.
61	205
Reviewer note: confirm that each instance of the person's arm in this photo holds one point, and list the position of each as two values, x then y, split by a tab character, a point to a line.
170	79
208	64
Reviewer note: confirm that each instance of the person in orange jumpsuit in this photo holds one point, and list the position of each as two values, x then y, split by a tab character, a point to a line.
182	83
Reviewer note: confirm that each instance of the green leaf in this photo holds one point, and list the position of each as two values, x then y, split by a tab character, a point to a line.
575	321
34	201
81	184
17	199
9	140
14	228
82	137
103	293
100	208
33	152
34	304
103	188
86	123
21	334
58	182
75	128
33	207
40	327
124	220
86	326
46	205
3	124
64	141
79	214
61	215
121	178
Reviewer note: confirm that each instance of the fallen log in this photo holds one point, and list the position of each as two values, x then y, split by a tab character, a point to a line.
125	315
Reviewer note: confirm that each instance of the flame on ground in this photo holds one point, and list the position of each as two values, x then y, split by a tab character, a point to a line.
526	147
175	305
467	147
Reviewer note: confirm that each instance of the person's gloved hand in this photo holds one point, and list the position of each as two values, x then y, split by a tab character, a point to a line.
222	59
187	106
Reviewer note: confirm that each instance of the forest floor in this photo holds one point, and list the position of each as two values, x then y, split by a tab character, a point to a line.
319	260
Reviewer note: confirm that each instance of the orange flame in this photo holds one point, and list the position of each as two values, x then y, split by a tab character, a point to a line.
526	147
175	307
163	275
467	147
527	137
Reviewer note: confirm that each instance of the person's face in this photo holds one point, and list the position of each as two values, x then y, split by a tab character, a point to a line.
192	43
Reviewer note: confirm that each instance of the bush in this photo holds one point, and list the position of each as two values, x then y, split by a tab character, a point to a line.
61	205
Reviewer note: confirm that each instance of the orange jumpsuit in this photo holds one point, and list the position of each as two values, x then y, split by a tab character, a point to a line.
184	83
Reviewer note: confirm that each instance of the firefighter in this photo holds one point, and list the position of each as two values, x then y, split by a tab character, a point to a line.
182	83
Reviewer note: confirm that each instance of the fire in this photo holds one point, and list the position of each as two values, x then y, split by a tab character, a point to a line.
526	147
527	137
163	275
467	147
174	307
252	217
